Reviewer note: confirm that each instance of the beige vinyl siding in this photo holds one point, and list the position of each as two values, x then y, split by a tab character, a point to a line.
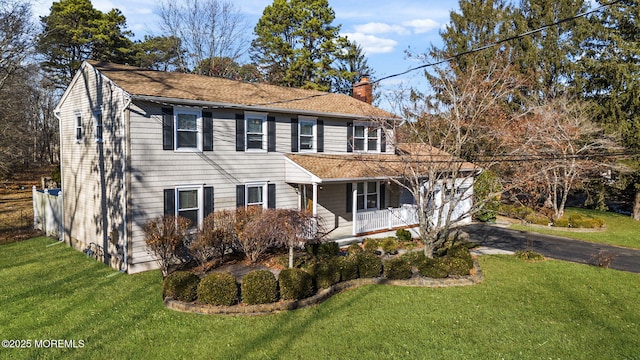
332	206
92	171
154	169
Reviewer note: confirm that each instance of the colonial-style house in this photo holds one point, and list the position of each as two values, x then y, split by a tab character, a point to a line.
137	144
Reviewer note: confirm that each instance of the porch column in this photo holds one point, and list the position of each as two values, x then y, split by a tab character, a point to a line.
299	192
354	208
315	199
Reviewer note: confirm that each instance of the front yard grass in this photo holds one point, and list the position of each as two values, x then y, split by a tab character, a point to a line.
549	309
621	230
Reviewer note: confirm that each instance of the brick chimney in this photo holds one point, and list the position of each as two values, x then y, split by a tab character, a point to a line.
363	90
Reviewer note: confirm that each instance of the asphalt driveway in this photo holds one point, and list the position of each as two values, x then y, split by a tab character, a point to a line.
555	247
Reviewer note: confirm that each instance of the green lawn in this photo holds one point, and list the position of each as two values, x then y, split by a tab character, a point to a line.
620	230
550	309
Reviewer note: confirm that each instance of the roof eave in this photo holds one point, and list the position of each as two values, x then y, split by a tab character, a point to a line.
258	108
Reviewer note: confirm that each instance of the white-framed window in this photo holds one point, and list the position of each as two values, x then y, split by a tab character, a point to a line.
188	125
368	195
307	134
256	131
366	138
78	127
256	194
97	126
189	204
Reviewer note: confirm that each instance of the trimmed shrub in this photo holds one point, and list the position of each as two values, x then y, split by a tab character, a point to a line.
259	287
537	219
218	289
403	235
414	257
433	268
561	222
389	245
371	245
326	272
311	248
397	268
369	265
486	215
181	285
457	266
354	249
515	211
327	249
295	284
528	255
348	267
461	252
589	222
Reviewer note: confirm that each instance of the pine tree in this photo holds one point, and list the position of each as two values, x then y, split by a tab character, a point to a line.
296	44
75	31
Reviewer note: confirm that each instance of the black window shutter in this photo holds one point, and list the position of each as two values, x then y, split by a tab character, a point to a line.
349	137
240	196
294	135
271	133
349	197
271	196
167	128
208	201
383	141
320	129
382	196
240	132
170	202
207	131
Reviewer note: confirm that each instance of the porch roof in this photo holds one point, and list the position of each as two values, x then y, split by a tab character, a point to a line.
409	158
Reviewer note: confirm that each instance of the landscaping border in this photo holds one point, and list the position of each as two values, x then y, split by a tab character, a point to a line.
323	294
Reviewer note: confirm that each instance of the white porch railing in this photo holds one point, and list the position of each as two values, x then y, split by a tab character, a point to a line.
386	219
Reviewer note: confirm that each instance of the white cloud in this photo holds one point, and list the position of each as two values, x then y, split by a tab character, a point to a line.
421	25
380	28
372	44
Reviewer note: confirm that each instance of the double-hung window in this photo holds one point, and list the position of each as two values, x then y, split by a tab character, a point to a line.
255	195
307	134
187	129
189	205
97	126
367	195
256	131
366	138
78	127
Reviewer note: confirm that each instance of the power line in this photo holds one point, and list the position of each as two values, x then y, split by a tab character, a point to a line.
458	55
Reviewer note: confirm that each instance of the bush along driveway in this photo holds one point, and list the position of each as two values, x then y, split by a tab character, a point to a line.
615	257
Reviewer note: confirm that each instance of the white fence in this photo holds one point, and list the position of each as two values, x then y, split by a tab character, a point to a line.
47	211
386	219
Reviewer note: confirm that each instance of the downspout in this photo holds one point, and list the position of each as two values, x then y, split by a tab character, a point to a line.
61	237
125	201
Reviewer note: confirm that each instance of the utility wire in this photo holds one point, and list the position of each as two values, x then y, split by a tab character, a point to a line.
458	55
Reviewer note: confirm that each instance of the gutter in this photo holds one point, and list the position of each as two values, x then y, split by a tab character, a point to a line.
258	108
125	201
56	113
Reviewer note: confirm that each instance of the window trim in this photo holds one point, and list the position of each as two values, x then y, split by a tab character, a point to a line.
198	113
200	199
367	128
255	115
78	127
98	126
314	133
365	194
265	196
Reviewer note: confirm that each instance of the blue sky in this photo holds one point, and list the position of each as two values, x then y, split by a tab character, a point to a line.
384	28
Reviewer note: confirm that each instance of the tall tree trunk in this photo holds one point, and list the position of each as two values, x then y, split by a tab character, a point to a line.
636	205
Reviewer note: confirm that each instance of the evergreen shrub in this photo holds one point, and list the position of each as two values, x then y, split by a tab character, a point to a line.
181	285
295	284
218	289
259	287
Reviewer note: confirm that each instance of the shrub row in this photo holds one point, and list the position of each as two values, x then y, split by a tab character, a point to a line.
577	221
261	286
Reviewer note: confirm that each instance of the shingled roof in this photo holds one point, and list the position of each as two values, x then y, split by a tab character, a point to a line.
143	83
408	159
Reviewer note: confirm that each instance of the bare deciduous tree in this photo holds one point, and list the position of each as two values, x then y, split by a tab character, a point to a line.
166	237
207	29
565	149
216	236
